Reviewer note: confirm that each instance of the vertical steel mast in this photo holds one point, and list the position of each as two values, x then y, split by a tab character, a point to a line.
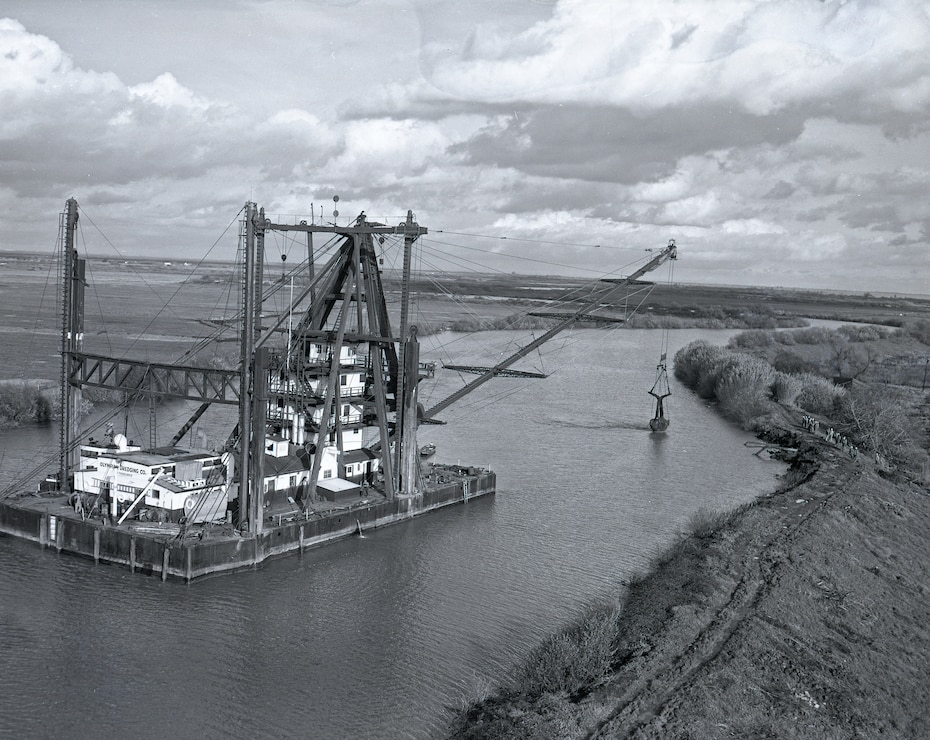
72	335
405	415
246	347
253	381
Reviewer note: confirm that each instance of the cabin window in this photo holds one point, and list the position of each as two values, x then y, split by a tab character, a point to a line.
293	481
345	409
319	349
327	474
343	380
348	470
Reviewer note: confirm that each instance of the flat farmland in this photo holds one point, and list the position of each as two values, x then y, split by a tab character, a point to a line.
156	311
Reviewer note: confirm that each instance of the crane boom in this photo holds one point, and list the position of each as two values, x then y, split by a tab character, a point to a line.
668	253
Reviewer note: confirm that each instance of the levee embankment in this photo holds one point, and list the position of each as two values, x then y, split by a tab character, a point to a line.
803	615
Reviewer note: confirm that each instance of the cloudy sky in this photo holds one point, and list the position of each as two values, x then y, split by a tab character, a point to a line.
780	143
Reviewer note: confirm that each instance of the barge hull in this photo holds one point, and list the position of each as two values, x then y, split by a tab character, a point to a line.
51	522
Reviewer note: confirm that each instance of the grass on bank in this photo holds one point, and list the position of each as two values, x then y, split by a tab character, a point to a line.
566	664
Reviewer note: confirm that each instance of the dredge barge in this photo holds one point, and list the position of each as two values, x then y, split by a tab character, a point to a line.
325	444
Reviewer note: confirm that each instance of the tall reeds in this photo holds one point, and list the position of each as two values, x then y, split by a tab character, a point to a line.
745	385
25	402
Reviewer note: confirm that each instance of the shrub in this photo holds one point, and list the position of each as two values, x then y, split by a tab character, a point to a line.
722	367
862	333
811	335
759	321
753	339
884	423
44	409
740	382
743	388
920	330
786	361
818	395
575	658
786	388
693	361
706	522
24	403
513	321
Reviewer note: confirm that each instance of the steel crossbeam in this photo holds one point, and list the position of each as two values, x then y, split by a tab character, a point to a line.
152	378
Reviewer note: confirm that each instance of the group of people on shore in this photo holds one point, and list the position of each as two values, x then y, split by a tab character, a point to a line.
810	423
843	442
832	436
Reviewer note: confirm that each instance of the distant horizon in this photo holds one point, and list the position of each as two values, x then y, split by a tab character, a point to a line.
187	261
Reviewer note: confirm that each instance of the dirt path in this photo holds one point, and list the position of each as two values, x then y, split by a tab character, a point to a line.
639	708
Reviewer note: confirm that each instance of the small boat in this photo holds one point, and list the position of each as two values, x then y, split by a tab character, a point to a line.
428	450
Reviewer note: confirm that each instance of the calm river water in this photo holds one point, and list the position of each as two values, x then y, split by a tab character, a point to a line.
377	636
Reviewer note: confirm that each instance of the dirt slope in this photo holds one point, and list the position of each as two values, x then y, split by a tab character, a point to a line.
805	616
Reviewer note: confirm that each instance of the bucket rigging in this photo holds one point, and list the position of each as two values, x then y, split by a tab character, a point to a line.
660	388
660	391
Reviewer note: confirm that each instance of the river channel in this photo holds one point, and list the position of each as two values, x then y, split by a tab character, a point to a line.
377	636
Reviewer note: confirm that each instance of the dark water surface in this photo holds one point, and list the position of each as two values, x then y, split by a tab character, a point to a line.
377	636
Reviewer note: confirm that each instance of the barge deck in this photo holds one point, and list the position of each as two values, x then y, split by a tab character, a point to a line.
193	552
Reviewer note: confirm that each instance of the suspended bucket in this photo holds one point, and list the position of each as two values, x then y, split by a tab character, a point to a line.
660	391
658	424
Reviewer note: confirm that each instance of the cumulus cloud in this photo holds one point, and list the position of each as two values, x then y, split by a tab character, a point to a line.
758	57
31	64
762	125
67	130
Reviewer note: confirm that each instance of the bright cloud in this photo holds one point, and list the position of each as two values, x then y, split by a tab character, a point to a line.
32	64
166	92
761	57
